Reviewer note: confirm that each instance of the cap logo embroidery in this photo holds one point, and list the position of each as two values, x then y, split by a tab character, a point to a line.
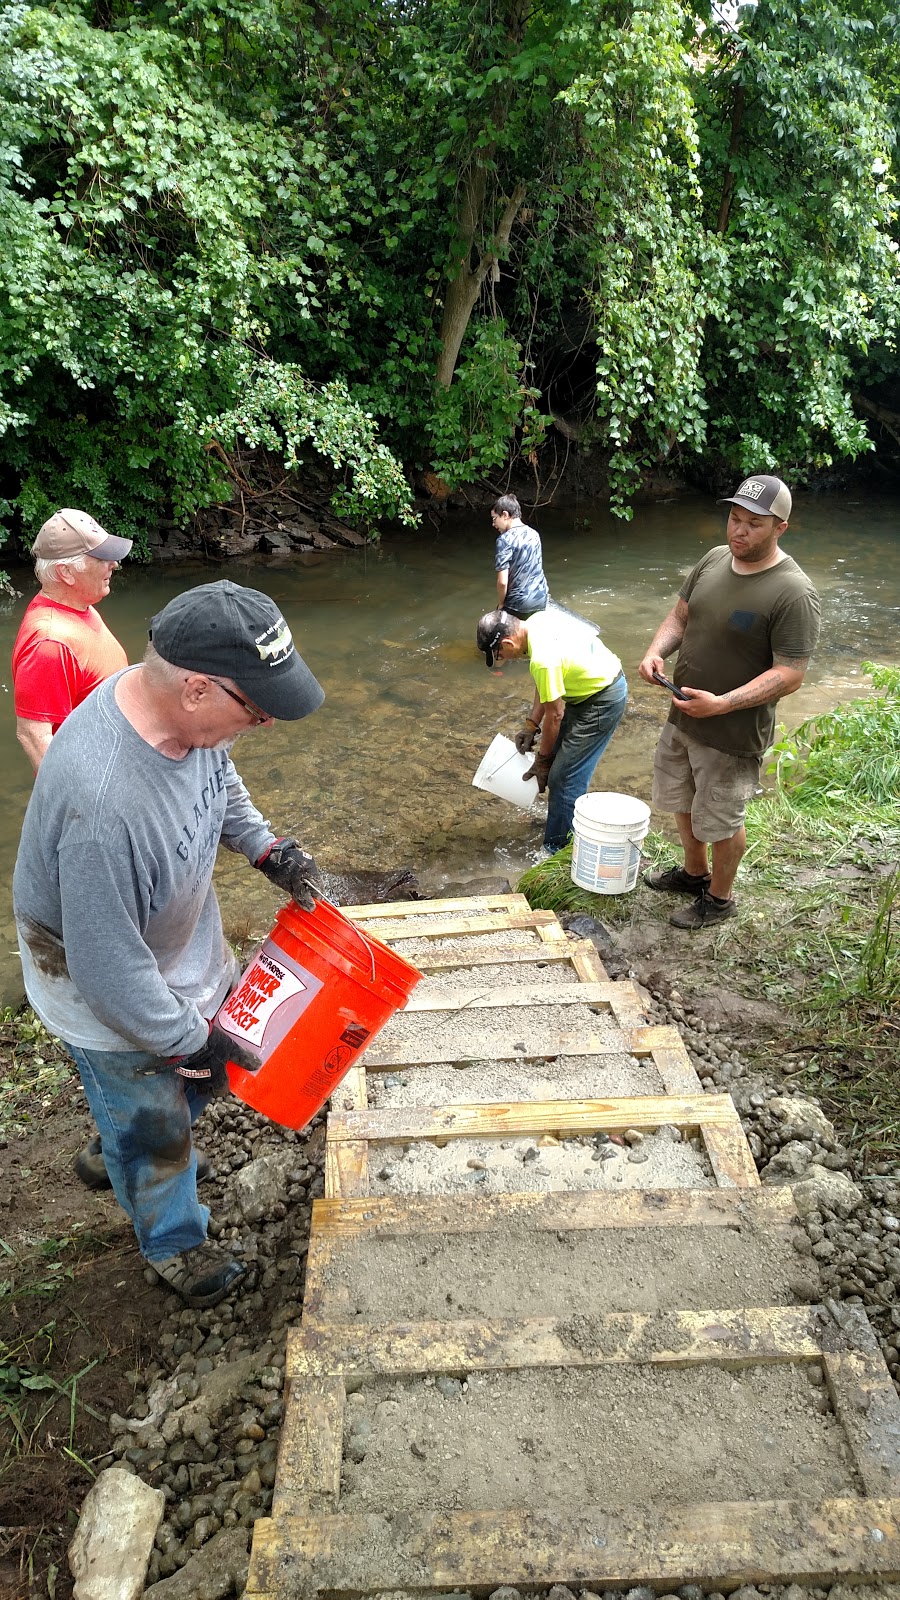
277	648
752	488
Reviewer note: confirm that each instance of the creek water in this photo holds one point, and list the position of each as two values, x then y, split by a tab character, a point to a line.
381	775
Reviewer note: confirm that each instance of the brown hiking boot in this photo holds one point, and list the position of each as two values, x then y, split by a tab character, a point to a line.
202	1276
676	881
704	912
90	1166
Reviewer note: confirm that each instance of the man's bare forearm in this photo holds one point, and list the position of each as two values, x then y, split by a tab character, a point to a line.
780	680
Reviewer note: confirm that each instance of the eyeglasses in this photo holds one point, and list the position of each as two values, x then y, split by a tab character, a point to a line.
259	717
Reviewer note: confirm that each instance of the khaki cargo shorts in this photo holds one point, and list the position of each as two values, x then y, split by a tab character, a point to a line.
712	786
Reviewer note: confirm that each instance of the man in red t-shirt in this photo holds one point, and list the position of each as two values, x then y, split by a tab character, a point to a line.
63	649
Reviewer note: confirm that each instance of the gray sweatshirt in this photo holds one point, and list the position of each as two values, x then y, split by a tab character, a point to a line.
119	927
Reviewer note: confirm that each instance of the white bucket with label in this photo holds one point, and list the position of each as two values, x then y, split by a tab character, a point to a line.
606	842
501	772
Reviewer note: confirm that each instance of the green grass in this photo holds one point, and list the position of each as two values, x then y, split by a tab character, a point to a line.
819	889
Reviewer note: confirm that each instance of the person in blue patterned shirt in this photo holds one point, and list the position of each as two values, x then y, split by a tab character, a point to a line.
518	559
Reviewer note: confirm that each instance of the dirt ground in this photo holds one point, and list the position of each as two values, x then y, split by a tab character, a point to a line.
79	1323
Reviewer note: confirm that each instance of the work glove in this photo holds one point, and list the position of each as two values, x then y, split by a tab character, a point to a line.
206	1066
524	740
292	869
540	770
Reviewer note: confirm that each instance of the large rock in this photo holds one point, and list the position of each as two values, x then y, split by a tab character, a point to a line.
259	1185
792	1161
219	1390
111	1545
801	1118
354	887
820	1187
218	1570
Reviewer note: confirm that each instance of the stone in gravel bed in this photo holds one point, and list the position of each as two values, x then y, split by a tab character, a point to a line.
426	1169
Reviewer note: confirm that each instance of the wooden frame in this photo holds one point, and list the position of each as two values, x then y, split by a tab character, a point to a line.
309	1547
350	1133
768	1209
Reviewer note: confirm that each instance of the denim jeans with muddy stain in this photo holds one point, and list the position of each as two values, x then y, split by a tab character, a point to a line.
144	1113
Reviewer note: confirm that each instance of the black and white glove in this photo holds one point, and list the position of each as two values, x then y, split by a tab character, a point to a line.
206	1066
292	869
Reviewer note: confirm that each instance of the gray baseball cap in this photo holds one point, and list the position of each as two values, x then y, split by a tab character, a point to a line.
769	496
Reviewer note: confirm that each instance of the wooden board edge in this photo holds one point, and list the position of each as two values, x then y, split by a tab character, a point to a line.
868	1407
311	1447
518	996
346	1167
768	1206
500	1119
729	1154
768	1335
722	1544
391	909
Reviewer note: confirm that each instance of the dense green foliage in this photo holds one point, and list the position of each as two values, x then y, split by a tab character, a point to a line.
355	228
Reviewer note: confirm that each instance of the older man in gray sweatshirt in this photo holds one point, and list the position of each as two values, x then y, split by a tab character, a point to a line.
123	953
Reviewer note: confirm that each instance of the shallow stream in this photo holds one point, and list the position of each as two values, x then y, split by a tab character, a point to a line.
381	775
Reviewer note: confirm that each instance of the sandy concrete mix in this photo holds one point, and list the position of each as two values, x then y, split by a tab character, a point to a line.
538	975
611	1436
499	1166
463	944
480	1032
568	1078
518	1272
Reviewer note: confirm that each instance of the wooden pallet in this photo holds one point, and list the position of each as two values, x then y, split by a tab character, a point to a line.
351	1133
309	1547
337	1224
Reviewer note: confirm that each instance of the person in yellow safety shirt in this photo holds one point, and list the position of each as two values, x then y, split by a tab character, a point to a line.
580	695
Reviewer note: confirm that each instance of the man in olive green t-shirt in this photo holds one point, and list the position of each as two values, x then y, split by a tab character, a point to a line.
745	625
580	695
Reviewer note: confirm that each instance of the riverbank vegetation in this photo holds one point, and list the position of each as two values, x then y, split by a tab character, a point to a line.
403	238
819	890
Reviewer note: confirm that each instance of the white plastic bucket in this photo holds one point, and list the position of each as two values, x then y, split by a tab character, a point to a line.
606	842
501	772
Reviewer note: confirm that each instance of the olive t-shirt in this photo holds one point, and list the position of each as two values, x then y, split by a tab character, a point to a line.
737	624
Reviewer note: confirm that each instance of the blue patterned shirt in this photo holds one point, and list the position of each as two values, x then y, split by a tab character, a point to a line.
519	550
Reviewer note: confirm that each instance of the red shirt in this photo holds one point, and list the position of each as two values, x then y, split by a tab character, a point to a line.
59	656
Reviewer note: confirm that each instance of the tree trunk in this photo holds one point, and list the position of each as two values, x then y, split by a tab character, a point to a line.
737	117
464	288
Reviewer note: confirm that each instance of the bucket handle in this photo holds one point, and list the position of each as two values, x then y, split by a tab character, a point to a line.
314	887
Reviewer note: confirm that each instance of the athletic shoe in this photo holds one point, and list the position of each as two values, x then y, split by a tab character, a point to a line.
676	881
703	912
202	1276
90	1166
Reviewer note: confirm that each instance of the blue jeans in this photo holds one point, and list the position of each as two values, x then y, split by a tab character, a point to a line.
144	1113
583	736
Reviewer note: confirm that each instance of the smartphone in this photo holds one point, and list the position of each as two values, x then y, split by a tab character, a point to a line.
672	688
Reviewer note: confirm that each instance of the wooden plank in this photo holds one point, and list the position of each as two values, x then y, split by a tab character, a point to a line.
729	1155
468	904
569	951
454	926
346	1166
470	998
771	1334
398	1123
723	1544
311	1447
865	1401
666	1048
408	1053
350	1094
392	1216
318	1256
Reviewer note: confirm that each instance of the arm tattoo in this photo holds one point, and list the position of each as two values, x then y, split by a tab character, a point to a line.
767	687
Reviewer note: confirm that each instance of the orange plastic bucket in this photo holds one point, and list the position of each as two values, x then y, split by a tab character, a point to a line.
316	993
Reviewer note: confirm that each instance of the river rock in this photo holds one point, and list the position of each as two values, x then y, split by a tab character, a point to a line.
262	1183
218	1570
358	887
111	1545
833	1190
792	1161
801	1118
